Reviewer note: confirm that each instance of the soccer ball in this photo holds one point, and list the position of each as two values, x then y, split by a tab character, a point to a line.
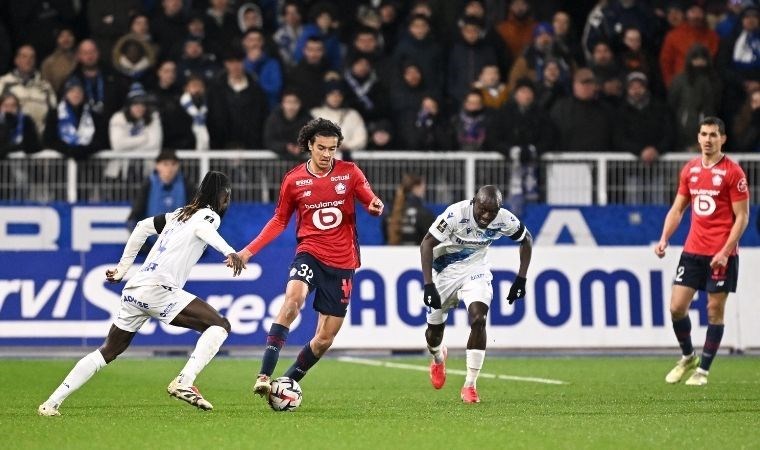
285	394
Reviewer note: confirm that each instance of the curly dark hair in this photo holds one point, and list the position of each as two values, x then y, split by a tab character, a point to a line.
317	127
213	184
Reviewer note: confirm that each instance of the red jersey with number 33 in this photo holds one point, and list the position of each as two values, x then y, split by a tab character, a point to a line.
326	217
712	191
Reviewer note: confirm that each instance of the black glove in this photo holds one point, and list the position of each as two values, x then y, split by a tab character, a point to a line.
432	298
517	290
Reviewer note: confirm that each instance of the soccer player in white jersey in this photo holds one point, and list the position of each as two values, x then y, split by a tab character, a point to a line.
455	268
156	291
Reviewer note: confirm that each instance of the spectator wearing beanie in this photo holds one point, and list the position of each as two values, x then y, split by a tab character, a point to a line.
135	128
531	63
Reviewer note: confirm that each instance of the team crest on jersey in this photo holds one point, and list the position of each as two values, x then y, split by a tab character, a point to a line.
742	185
717	180
441	226
209	219
490	233
340	188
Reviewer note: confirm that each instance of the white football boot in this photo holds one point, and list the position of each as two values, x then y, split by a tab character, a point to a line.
48	409
684	366
698	378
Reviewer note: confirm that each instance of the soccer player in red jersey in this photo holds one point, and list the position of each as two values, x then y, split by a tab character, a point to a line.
717	190
321	192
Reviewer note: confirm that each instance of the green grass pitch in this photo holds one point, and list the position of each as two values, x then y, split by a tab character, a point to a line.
614	403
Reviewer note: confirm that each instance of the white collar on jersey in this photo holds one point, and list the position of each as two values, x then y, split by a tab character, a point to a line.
308	169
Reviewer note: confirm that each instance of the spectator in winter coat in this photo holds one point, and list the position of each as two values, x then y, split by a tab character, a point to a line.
73	128
237	106
57	67
282	126
679	40
17	130
34	94
348	119
137	127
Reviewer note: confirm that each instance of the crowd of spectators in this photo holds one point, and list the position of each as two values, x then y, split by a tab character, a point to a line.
517	76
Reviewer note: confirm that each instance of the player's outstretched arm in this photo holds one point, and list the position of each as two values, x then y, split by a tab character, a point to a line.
271	230
143	229
208	234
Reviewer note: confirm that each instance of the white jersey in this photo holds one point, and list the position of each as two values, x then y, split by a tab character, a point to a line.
463	245
178	248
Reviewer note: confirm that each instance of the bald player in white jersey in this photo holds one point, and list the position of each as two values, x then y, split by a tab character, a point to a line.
455	268
156	291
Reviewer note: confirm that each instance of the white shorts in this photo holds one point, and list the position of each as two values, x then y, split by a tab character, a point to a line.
474	286
140	303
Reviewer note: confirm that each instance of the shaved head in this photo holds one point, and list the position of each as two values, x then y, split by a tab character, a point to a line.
489	194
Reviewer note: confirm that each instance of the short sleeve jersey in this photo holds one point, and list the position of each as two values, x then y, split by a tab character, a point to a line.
712	191
462	242
176	251
326	215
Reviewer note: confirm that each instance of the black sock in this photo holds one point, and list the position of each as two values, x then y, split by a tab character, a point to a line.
306	359
682	328
276	338
712	344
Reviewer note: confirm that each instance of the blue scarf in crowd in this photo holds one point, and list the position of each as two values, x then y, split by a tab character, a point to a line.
18	133
69	131
164	198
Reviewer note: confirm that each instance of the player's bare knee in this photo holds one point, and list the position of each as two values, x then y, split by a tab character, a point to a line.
715	314
677	313
290	310
321	344
478	321
224	323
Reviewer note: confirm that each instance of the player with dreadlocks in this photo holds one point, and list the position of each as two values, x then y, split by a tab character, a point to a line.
156	291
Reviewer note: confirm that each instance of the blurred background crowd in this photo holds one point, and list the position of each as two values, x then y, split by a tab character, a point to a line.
520	77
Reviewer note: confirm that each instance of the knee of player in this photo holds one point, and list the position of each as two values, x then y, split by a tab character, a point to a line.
478	321
224	323
322	342
678	313
715	313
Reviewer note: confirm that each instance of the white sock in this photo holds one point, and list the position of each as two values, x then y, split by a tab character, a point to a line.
82	371
437	353
474	364
207	346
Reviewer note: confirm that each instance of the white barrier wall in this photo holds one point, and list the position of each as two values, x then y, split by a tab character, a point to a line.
601	297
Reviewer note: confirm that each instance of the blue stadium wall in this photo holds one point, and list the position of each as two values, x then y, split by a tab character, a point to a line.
594	282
